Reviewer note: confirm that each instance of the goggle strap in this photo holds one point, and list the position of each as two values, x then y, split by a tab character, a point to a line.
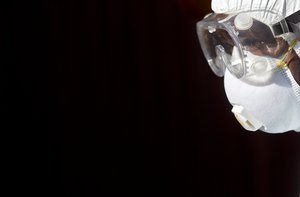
282	63
284	25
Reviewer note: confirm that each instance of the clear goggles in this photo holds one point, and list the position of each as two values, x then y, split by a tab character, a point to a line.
243	44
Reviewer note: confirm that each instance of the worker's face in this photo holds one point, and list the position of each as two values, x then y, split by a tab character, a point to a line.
276	104
272	47
276	49
260	42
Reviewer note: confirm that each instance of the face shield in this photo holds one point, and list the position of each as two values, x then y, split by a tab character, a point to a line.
243	44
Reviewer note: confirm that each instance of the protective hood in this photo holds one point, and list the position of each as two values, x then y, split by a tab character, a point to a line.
282	7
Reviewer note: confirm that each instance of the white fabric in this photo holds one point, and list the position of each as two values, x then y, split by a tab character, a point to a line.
283	7
273	104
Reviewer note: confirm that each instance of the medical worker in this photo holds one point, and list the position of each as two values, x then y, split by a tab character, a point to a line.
254	45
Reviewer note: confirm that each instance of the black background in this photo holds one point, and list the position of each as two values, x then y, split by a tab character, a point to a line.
120	94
